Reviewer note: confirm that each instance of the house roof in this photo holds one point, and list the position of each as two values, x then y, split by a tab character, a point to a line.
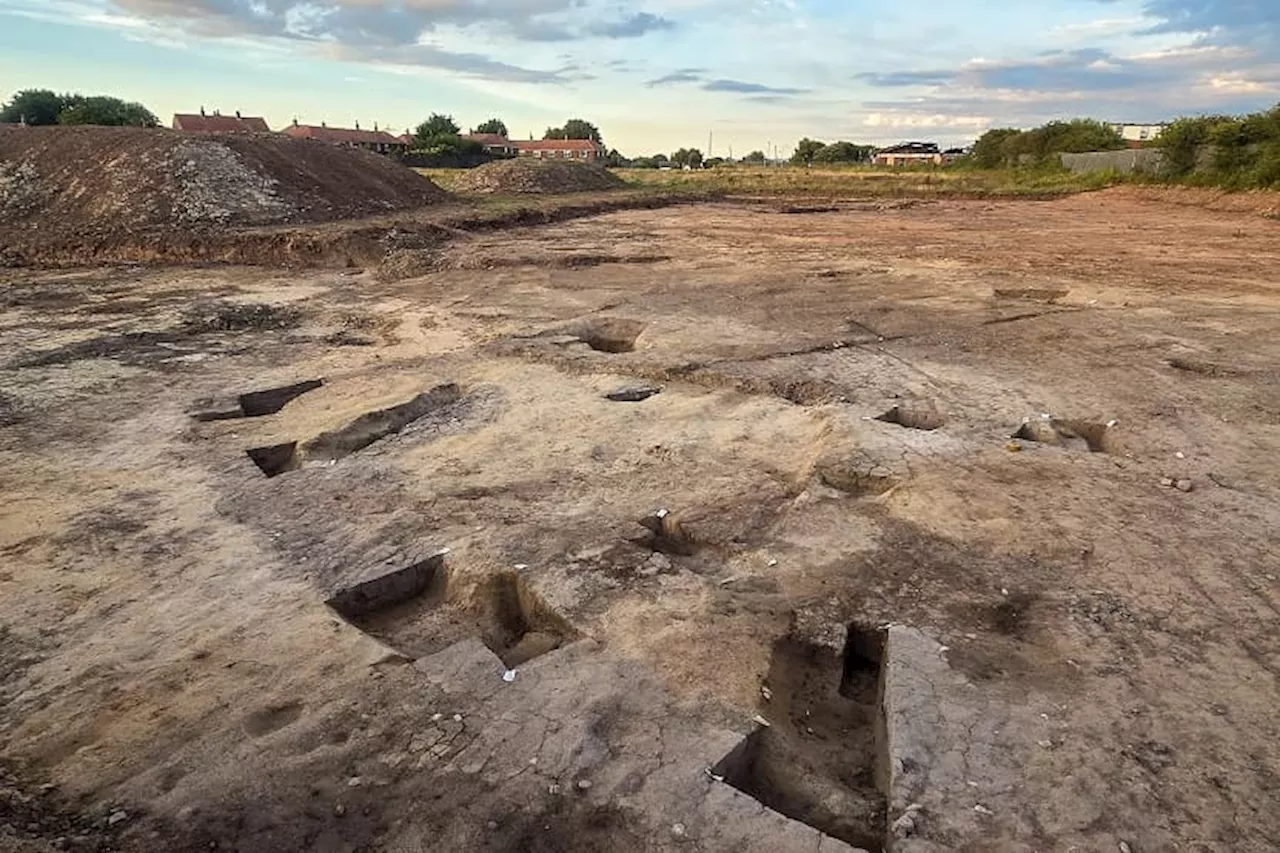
912	148
557	145
341	135
196	123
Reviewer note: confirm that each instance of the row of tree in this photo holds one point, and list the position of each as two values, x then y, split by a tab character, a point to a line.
439	140
1237	152
45	107
1007	146
809	151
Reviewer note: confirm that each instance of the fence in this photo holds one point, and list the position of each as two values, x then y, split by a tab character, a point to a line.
1143	160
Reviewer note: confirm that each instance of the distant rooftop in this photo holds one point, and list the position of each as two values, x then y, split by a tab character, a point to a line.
217	123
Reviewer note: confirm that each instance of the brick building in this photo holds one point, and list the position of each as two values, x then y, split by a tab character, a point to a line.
561	149
375	140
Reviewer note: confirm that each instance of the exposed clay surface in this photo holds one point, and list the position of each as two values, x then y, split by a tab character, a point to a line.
1085	656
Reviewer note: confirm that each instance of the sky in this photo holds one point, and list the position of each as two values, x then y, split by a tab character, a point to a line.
725	76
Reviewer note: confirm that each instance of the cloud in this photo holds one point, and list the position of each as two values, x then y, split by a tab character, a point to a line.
429	56
395	21
633	26
403	32
1206	16
743	88
680	75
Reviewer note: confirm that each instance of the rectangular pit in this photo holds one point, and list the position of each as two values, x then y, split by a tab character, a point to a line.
423	608
819	760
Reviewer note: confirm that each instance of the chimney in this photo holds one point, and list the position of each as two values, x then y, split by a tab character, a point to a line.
375	126
217	113
237	114
322	124
295	121
202	111
357	124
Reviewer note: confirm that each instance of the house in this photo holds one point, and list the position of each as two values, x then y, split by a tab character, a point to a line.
375	140
218	123
494	143
561	149
1136	135
910	154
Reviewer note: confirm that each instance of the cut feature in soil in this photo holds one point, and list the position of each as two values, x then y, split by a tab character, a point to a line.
423	577
372	426
913	418
331	446
610	334
430	610
254	404
818	760
632	393
1200	368
1071	435
668	534
273	460
1032	294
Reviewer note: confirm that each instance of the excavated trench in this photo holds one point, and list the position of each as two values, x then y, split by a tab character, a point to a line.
253	404
424	608
329	447
818	760
609	334
913	418
1071	435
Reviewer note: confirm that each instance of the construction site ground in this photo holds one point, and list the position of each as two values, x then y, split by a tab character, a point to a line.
1040	438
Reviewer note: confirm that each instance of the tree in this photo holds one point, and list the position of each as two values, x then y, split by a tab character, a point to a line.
991	149
615	160
437	125
575	128
687	157
844	152
34	106
493	125
712	162
113	112
806	150
661	159
755	157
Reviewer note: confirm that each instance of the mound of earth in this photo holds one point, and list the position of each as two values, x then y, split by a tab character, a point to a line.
99	181
537	176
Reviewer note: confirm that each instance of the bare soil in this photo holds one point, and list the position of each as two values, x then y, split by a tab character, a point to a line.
834	443
74	188
534	175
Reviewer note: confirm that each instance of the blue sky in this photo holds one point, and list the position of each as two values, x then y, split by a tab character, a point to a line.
660	74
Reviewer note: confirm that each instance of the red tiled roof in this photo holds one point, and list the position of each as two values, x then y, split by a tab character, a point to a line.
195	123
341	135
557	145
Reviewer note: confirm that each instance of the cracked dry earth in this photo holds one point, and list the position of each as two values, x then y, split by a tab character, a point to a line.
1087	611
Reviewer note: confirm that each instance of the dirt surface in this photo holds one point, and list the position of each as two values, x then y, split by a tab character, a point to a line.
834	443
75	185
532	175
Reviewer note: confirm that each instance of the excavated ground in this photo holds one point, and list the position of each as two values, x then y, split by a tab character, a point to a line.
1045	434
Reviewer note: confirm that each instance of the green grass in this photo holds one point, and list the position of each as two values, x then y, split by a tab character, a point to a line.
837	181
843	181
